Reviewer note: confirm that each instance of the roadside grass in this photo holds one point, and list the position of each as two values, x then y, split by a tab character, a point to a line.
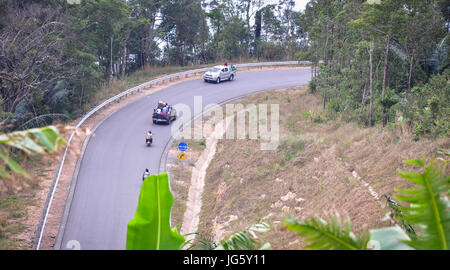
309	174
12	214
17	202
291	147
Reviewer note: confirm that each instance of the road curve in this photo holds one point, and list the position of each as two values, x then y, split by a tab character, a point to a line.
110	174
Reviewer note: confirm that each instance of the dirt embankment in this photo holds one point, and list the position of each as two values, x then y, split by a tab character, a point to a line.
321	166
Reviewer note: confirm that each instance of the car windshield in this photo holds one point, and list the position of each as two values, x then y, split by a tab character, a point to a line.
215	70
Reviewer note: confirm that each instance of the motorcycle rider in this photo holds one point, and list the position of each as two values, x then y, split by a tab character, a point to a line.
146	174
149	137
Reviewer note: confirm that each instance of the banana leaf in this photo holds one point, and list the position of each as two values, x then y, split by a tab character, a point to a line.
38	140
150	227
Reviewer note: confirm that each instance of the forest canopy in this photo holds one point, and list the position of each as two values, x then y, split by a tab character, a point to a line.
372	59
55	54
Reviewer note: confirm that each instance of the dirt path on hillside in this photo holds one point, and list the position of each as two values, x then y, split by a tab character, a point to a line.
191	216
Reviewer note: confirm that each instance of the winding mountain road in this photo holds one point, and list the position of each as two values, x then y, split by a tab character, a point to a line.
110	173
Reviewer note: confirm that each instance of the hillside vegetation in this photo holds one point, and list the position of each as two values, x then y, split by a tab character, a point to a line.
381	61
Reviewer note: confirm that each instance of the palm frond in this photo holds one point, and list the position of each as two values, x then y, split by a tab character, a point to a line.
397	214
326	235
427	209
200	242
245	240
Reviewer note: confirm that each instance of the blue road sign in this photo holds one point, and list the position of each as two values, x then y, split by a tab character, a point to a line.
182	146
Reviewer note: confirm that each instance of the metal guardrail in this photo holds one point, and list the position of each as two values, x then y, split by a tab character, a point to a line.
125	93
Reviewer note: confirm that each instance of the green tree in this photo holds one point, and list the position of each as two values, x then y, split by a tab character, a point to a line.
105	22
185	34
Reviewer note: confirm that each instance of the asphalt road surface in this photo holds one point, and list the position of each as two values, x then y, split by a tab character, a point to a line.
110	174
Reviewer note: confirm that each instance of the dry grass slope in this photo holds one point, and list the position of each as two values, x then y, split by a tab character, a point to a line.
309	174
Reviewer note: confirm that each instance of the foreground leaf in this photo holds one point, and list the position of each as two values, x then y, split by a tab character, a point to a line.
12	165
427	208
245	240
150	227
326	235
38	140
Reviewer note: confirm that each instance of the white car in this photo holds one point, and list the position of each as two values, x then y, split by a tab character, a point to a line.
220	73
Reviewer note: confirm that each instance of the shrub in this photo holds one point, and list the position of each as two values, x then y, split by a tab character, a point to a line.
312	86
317	119
291	147
426	107
334	105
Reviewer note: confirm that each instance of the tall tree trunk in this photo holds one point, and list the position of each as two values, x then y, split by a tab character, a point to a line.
248	28
143	53
411	67
81	95
331	51
258	18
325	49
363	100
370	50
386	63
385	70
151	34
110	75
124	61
168	50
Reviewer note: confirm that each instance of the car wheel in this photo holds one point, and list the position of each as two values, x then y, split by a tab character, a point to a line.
206	80
231	77
154	121
218	80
